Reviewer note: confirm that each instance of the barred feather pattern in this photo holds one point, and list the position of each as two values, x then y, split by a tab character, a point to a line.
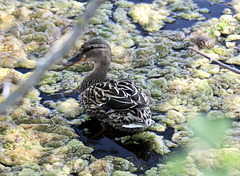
118	103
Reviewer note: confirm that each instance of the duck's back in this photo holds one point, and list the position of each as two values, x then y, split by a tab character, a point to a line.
118	103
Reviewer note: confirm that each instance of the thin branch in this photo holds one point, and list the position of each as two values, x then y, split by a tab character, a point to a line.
235	70
6	88
55	54
156	76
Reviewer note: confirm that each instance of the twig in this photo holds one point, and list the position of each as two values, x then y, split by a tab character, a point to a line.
235	70
6	87
156	76
55	53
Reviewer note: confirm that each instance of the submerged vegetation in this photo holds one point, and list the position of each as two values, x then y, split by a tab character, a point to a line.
37	138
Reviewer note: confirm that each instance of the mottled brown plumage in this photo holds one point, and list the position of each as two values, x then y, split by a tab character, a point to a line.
118	103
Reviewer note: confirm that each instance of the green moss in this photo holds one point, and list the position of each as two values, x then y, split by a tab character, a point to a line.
108	165
157	127
204	10
70	108
163	107
120	15
28	172
213	115
27	149
156	83
163	49
156	93
62	130
75	165
154	141
56	81
50	77
222	51
185	16
78	147
123	173
30	108
212	69
233	37
6	20
237	16
169	20
176	116
148	16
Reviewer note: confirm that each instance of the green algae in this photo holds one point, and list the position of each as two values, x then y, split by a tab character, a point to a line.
234	60
53	81
157	127
108	165
190	16
149	16
213	115
147	138
70	109
25	150
123	173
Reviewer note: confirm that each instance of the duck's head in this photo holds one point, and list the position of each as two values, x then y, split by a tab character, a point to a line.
96	50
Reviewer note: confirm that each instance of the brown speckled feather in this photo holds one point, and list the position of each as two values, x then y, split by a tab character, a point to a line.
118	103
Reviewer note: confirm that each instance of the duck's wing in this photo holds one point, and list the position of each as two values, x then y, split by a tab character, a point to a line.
125	106
118	95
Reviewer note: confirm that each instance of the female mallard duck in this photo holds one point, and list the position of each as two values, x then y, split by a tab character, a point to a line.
118	103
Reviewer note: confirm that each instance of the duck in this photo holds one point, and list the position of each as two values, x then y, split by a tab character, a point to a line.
117	103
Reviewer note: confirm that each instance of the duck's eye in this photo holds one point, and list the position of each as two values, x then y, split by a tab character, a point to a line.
88	48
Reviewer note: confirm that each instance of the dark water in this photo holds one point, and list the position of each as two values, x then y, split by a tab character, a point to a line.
59	96
106	146
23	70
140	154
214	11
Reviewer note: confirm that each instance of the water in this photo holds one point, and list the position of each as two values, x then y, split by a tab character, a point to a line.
140	154
60	96
23	70
214	11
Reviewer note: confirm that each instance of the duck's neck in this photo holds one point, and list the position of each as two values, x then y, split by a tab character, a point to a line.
99	74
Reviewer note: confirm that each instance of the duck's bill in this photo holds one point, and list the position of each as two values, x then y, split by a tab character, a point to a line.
75	60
